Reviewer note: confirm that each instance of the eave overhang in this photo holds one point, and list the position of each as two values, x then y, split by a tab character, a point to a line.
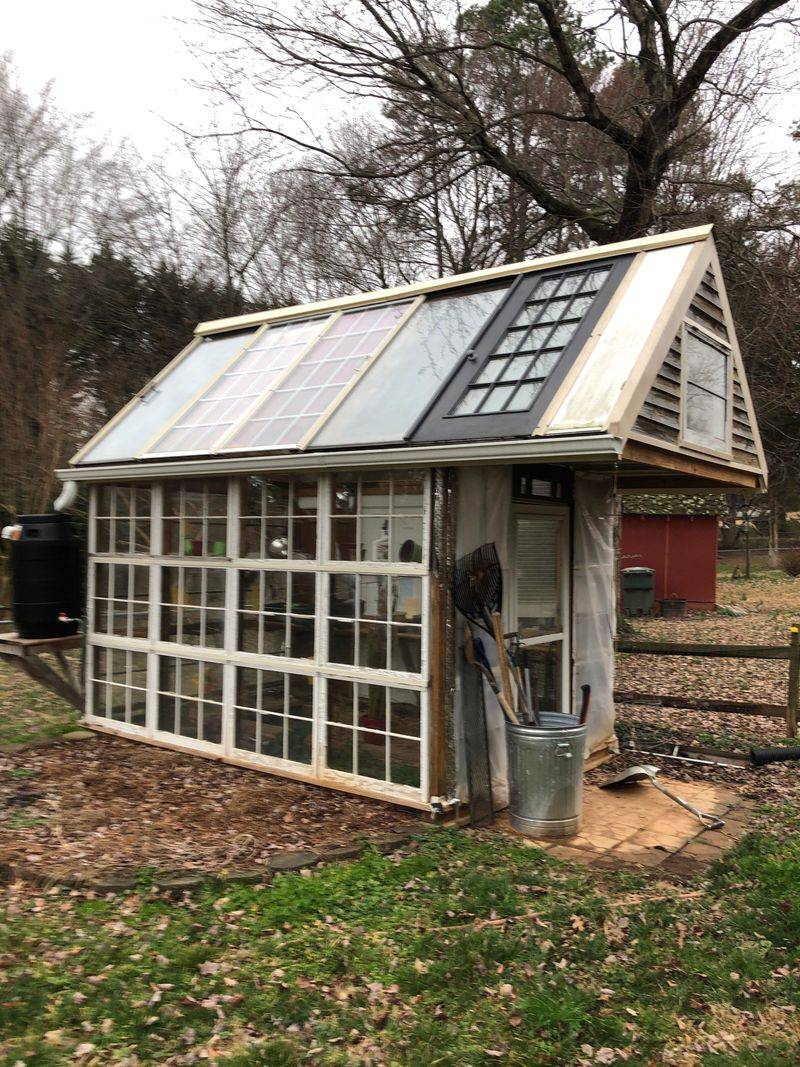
591	449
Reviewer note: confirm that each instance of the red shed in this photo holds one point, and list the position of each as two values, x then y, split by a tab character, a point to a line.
681	549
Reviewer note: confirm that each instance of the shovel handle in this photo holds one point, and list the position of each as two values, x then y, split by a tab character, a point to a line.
502	657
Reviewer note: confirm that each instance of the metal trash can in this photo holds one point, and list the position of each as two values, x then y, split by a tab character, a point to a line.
638	590
545	776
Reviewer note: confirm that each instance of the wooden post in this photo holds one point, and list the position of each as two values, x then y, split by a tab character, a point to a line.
794	682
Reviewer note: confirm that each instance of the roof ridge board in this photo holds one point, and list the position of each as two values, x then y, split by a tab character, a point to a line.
453	281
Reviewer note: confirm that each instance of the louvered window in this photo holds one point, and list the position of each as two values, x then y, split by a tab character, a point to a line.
538	575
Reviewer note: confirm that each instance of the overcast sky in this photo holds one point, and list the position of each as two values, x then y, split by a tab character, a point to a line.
128	65
125	63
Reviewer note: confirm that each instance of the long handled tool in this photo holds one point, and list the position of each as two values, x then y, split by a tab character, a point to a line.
648	773
478	594
476	655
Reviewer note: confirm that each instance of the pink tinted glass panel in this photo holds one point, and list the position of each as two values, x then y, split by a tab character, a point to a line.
310	388
228	398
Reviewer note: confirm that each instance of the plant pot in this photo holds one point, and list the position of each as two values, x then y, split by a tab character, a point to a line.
673	607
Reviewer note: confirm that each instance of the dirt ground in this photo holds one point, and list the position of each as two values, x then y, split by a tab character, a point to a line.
107	804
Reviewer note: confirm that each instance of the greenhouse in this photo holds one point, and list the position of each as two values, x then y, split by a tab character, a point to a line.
274	519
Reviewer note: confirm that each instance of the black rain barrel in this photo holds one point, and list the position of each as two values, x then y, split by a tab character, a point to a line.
45	576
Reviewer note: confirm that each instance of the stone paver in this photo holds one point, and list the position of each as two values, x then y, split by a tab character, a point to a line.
638	826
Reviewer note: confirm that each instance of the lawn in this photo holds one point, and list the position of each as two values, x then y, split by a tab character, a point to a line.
29	711
467	947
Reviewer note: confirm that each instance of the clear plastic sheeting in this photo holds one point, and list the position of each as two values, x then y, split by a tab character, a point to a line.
483	514
594	605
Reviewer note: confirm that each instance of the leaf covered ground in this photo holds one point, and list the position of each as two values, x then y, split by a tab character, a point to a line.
467	948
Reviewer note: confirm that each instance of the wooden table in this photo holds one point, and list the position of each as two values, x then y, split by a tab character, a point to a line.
25	654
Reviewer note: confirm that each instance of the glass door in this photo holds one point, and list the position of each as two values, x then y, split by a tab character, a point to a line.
540	607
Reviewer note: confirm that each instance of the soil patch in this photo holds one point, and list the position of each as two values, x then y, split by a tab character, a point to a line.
111	804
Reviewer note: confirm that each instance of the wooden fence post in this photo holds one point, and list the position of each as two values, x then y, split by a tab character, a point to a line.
794	682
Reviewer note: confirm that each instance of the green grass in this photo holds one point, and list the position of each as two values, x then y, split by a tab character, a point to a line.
28	711
381	960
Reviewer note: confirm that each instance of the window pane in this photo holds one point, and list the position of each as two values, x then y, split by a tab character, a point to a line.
405	712
405	762
705	416
310	388
706	365
548	321
340	701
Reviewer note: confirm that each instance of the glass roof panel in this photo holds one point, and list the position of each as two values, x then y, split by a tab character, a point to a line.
390	397
229	397
547	321
162	401
293	407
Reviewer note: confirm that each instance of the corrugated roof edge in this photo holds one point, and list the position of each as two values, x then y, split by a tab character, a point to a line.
582	255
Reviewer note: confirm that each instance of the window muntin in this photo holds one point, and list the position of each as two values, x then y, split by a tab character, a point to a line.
279	518
375	622
706	369
317	381
377	517
274	714
281	610
228	399
519	365
276	613
190	699
374	731
121	601
123	519
193	606
196	517
119	685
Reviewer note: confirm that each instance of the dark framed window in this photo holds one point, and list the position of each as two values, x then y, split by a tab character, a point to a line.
522	353
541	483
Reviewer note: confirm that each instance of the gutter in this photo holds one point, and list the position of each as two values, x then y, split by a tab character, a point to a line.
591	448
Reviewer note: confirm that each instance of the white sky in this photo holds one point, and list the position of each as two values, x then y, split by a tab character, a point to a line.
125	63
128	65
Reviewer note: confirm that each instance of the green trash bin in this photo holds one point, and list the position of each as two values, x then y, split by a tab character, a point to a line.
638	590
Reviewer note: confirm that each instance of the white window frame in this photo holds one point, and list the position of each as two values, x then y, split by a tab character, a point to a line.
725	349
230	658
533	509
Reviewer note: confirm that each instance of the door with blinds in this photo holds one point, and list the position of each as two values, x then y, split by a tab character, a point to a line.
540	592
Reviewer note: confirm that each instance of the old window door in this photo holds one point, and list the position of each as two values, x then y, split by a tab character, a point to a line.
540	602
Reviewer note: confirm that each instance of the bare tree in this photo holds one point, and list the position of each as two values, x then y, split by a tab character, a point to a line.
585	111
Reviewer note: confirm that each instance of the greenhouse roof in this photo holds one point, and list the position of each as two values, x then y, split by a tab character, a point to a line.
549	348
